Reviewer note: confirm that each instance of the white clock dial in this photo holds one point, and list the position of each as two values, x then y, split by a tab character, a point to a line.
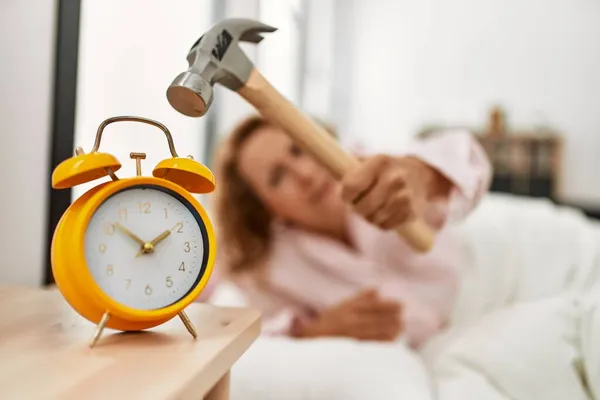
168	269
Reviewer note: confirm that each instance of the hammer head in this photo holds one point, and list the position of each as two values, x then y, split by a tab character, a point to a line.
216	57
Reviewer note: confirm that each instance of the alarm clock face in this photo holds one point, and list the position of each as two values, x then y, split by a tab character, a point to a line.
146	247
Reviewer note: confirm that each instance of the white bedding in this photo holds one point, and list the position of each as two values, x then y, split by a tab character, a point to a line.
526	351
526	325
535	265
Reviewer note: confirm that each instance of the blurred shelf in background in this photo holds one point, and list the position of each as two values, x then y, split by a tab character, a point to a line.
526	162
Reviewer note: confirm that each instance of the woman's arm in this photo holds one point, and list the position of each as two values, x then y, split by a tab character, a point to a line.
462	168
279	317
441	178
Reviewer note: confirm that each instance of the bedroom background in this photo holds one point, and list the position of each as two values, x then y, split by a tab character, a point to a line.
520	74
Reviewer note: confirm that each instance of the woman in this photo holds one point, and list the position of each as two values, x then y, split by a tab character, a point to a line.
320	258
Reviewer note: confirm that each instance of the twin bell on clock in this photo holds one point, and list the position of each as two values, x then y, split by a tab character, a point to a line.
133	252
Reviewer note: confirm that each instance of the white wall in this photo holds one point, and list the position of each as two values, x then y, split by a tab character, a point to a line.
279	54
27	31
319	73
129	52
417	62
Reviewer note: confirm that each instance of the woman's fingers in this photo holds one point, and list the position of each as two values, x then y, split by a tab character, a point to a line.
379	190
356	184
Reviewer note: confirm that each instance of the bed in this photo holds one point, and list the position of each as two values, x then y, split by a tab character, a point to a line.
524	324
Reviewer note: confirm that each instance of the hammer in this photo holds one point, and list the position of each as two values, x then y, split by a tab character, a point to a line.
216	57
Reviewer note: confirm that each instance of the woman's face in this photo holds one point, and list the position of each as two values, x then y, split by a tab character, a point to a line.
289	182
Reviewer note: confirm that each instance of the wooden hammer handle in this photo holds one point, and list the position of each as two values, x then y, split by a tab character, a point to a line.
272	105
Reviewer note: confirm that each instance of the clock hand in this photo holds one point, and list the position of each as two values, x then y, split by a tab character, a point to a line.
160	238
149	246
130	234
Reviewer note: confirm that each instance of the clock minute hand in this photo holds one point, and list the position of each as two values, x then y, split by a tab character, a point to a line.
129	233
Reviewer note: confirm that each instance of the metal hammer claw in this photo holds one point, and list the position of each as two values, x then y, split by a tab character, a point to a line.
216	57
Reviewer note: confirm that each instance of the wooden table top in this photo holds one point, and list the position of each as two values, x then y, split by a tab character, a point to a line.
44	352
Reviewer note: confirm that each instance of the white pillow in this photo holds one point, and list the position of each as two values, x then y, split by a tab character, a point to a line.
280	368
283	368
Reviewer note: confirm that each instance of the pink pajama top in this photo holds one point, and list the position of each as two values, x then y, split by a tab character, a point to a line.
308	272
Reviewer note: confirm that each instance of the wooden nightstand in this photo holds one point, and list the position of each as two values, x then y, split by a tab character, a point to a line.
44	352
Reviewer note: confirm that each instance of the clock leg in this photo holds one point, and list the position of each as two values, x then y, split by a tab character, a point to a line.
99	328
188	324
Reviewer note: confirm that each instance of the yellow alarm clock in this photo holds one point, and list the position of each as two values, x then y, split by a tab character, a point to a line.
132	253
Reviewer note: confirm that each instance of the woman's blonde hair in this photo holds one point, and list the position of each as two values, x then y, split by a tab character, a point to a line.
243	222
